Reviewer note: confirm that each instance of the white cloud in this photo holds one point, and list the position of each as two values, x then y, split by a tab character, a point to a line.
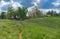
56	3
2	3
14	4
35	2
11	1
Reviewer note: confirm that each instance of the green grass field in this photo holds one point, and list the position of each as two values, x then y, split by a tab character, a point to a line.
37	28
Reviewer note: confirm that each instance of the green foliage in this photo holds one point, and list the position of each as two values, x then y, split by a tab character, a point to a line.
22	13
50	13
53	13
17	14
2	16
10	13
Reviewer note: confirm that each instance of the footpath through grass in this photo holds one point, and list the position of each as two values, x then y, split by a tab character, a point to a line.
37	28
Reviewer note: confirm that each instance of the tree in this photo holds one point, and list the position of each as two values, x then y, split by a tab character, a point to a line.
22	13
48	13
10	13
36	12
52	13
15	14
3	15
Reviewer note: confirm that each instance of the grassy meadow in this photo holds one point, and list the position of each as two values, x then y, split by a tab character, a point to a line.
35	28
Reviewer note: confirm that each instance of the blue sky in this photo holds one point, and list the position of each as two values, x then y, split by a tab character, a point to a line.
43	4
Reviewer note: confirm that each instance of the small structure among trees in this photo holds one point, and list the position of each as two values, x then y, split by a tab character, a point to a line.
35	12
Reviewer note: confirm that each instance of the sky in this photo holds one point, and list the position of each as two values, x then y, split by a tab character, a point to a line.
43	4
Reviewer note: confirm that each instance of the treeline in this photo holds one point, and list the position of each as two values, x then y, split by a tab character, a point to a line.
20	13
53	13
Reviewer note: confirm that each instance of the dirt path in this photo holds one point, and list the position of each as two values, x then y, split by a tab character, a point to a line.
20	35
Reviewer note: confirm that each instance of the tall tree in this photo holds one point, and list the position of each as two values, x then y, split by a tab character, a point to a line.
3	15
10	12
22	13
